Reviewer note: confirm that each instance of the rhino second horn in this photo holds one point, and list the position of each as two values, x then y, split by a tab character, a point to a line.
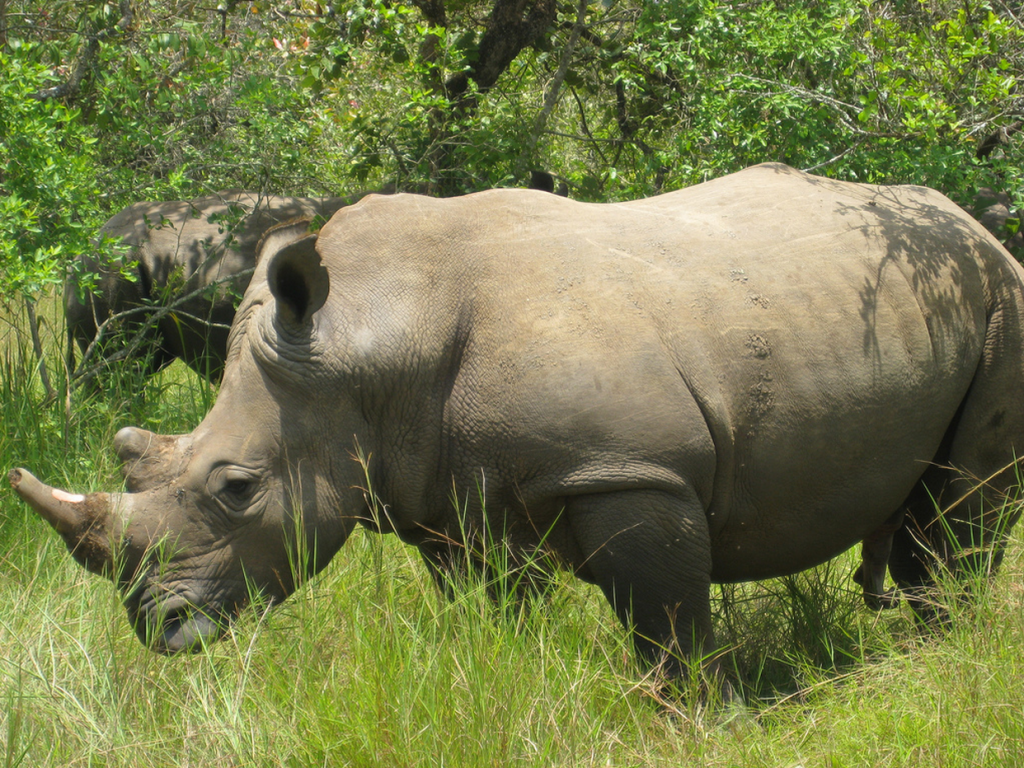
131	443
82	521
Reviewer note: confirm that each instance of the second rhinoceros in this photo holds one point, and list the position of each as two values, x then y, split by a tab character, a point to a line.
172	250
730	382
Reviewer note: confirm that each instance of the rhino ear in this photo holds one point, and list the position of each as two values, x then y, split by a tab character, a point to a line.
298	280
280	235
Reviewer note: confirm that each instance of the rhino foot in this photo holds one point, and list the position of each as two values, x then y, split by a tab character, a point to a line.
883	602
875	600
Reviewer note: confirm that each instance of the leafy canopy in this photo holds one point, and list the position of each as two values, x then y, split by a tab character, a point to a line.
107	103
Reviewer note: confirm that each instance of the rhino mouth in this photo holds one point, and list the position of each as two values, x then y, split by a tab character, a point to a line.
173	623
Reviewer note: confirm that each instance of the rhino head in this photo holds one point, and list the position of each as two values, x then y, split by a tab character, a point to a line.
246	504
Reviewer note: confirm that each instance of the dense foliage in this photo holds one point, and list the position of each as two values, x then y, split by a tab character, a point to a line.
103	104
623	98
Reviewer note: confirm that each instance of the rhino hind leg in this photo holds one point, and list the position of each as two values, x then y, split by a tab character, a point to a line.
959	516
875	551
650	553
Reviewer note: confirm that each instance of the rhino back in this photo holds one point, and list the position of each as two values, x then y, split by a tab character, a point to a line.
779	342
167	236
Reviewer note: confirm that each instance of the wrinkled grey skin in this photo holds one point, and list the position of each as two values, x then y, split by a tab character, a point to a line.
176	243
735	381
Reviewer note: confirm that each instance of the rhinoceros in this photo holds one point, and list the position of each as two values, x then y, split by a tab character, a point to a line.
730	382
178	247
996	213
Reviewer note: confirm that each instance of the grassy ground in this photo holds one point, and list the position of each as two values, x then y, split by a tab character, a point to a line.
368	667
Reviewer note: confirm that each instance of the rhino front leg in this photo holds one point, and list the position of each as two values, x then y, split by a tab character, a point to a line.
446	563
650	552
509	581
875	552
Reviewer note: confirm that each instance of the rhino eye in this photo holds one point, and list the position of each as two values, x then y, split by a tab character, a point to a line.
234	488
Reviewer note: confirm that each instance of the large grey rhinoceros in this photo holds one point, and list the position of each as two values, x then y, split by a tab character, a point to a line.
179	246
733	381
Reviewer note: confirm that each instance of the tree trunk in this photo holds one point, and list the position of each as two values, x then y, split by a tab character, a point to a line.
87	57
37	347
511	26
3	24
551	98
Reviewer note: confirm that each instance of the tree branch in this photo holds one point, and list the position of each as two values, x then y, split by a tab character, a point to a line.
3	24
551	98
512	26
84	373
37	347
87	57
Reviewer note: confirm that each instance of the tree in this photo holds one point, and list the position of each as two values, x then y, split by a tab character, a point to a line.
632	98
47	188
620	99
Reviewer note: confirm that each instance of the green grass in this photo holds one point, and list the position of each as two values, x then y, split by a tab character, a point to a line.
368	666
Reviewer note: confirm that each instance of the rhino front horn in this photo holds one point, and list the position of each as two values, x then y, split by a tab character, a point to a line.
82	521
